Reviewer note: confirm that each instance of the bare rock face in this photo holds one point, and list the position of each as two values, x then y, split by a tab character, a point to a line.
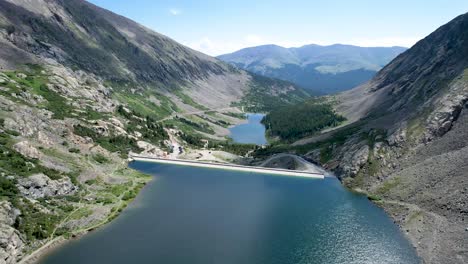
397	138
116	122
28	121
44	139
353	161
149	149
11	244
447	110
26	149
314	156
39	186
441	121
8	213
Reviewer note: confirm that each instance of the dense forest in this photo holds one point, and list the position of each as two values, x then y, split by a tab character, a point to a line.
303	119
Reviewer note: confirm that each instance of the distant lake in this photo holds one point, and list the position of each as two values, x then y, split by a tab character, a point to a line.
191	215
251	132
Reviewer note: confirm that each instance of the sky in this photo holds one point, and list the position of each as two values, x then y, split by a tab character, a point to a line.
217	27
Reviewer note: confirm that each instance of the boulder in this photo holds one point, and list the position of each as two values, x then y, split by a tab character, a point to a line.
353	161
8	213
116	122
11	244
21	75
44	139
397	138
447	110
26	149
39	186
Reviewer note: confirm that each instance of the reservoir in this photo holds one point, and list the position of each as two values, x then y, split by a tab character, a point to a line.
203	215
252	132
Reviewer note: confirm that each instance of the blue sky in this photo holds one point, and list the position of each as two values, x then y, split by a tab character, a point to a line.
218	26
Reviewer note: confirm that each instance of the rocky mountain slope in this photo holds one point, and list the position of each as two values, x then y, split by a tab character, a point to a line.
82	36
80	89
322	69
405	142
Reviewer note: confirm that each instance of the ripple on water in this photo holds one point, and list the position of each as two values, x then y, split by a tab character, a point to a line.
200	215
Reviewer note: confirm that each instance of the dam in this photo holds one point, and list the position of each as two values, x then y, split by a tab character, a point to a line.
264	170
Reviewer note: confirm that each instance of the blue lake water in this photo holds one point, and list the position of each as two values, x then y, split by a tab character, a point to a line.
202	216
251	132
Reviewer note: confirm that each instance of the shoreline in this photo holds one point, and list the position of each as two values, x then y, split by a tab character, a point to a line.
386	205
38	254
35	256
60	241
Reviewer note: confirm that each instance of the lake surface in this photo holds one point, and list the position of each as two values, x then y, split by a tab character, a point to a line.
251	132
201	216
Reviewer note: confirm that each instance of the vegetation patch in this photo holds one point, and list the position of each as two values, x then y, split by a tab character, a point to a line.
259	98
187	100
56	103
296	121
373	197
150	129
139	103
34	223
119	143
388	185
74	150
336	139
81	213
216	122
235	115
200	126
13	163
101	159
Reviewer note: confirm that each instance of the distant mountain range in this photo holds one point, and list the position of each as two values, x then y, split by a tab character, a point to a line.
322	69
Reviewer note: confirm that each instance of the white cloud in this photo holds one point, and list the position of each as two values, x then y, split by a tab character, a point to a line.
254	39
217	47
175	11
213	48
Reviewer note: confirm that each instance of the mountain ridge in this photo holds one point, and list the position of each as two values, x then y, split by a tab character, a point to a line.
315	67
404	143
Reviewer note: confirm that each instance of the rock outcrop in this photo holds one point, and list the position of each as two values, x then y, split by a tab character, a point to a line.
448	109
26	149
352	161
150	150
11	243
416	165
39	186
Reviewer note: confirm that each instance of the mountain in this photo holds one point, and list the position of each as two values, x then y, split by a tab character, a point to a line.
81	88
323	69
112	47
405	142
